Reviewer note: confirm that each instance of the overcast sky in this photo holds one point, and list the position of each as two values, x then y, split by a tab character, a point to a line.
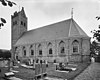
44	12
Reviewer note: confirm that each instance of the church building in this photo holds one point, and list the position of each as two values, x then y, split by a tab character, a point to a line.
62	41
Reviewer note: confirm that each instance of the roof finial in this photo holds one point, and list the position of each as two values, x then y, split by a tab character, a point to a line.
72	13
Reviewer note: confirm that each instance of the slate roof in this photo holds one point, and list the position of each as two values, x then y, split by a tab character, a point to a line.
59	30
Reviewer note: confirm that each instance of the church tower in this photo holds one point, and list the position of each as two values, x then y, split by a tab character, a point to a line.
18	27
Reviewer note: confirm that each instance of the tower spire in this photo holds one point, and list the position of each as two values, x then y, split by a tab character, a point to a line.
72	13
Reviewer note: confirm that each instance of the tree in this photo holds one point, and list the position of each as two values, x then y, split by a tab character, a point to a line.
96	33
5	3
5	54
95	47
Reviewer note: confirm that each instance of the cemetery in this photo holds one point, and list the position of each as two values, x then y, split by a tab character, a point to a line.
40	70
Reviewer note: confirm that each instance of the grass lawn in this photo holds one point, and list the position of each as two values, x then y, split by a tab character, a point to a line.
71	75
3	70
28	74
24	73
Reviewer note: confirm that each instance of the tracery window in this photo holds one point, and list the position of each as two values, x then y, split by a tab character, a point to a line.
62	47
40	50
50	51
75	45
31	50
24	51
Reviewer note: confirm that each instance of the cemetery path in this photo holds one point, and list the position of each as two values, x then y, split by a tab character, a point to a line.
92	72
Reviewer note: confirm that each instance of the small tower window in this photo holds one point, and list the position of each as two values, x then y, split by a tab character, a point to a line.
21	22
24	24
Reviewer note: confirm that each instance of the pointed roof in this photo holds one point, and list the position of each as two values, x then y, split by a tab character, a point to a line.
63	29
23	12
75	30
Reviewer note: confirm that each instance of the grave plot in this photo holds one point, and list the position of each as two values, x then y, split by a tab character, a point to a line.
63	68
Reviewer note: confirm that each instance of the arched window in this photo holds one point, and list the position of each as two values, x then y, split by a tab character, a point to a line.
24	24
62	47
75	46
24	51
50	49
21	22
40	50
31	50
62	50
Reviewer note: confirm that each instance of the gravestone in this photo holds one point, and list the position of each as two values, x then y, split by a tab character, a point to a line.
37	69
40	71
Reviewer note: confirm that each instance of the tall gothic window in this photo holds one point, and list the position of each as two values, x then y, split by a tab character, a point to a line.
24	51
75	46
40	50
50	51
62	47
31	50
62	50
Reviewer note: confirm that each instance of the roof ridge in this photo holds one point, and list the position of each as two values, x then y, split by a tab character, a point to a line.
48	25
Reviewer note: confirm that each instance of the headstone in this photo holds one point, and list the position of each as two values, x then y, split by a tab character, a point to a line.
37	69
40	70
43	68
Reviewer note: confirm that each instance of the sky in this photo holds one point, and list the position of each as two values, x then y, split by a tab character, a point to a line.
44	12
